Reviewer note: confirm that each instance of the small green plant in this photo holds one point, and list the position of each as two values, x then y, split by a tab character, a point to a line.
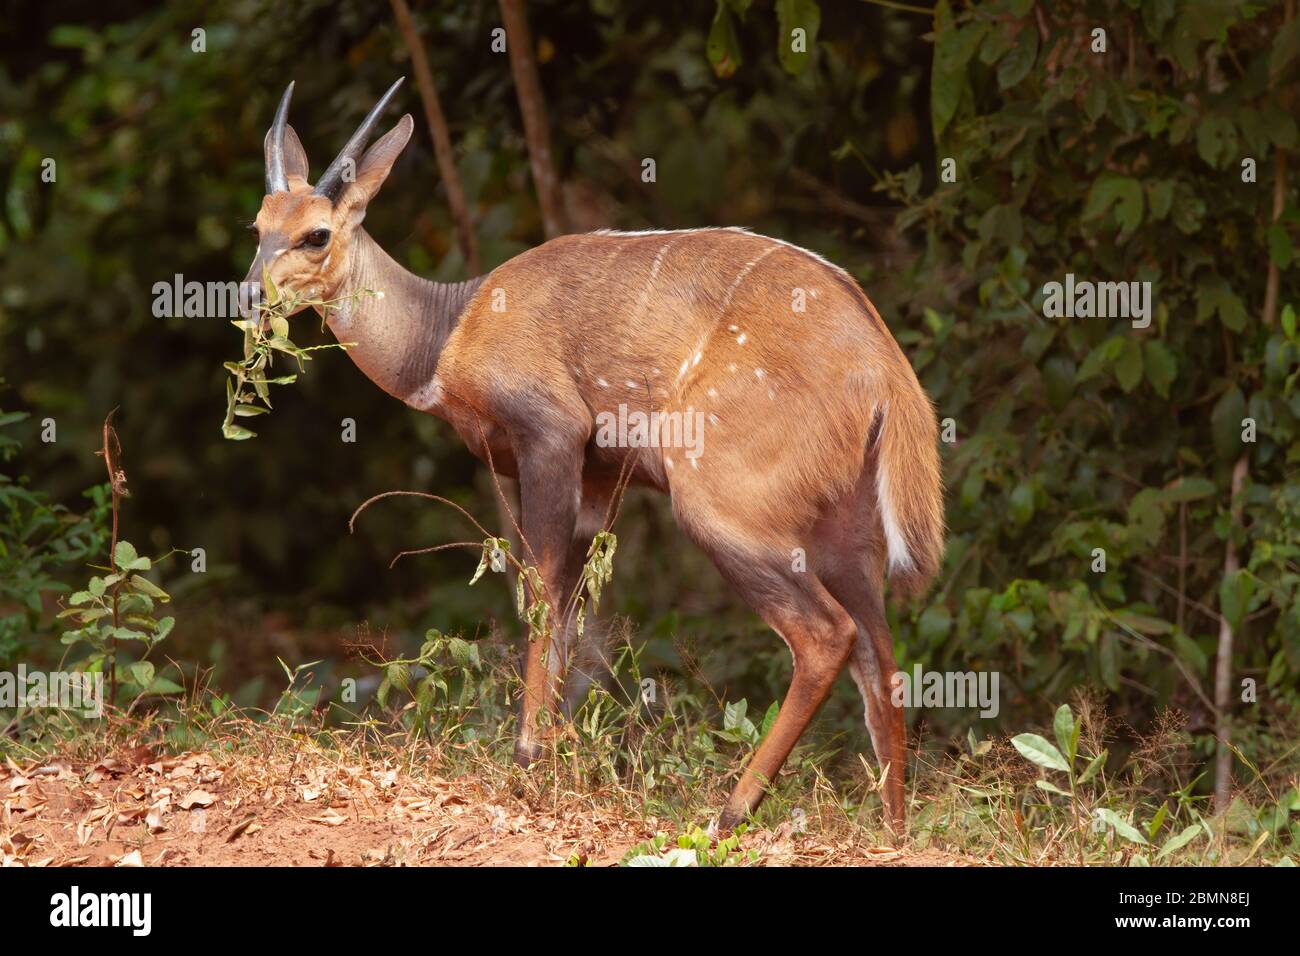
443	680
694	847
1039	750
120	606
530	594
265	333
1064	758
296	701
737	728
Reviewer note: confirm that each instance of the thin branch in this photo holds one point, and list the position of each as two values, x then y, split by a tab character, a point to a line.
111	450
1279	204
1209	612
905	7
433	115
1182	565
532	107
1136	637
415	494
437	547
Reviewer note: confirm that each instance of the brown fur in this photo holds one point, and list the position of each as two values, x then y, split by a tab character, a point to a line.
808	415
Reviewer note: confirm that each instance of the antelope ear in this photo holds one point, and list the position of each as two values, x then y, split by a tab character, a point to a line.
378	162
295	157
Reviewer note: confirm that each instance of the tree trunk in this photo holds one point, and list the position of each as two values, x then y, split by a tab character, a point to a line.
1223	662
1231	563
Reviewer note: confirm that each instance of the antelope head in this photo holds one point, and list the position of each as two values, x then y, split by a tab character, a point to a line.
305	233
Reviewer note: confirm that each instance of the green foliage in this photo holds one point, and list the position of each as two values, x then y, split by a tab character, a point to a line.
266	333
1078	434
597	572
445	681
796	35
38	540
1109	813
693	847
121	606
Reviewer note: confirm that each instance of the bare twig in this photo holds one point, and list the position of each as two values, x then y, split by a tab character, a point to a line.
532	106
437	121
905	7
1279	204
1182	566
111	450
415	494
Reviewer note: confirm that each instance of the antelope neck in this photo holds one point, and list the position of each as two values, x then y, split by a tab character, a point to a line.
397	336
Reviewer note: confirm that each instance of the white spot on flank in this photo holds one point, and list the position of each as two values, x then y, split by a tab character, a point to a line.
698	356
740	339
733	328
695	463
713	419
759	373
731	367
682	371
602	383
630	384
668	461
713	393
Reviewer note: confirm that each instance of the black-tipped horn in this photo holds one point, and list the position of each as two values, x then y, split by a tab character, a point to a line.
331	182
277	181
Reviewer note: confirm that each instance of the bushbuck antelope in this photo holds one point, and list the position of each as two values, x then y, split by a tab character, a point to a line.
818	471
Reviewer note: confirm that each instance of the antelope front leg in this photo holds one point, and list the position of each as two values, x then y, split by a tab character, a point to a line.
550	481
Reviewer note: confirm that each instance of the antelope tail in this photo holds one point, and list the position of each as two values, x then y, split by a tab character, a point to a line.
909	489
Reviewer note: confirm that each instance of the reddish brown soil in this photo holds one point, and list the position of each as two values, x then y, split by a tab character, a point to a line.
141	809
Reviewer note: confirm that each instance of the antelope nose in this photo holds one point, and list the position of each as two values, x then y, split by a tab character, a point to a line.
251	295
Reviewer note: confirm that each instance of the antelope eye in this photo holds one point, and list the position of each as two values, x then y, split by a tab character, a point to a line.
317	238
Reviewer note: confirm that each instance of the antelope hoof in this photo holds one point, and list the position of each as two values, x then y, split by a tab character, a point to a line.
526	752
730	819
